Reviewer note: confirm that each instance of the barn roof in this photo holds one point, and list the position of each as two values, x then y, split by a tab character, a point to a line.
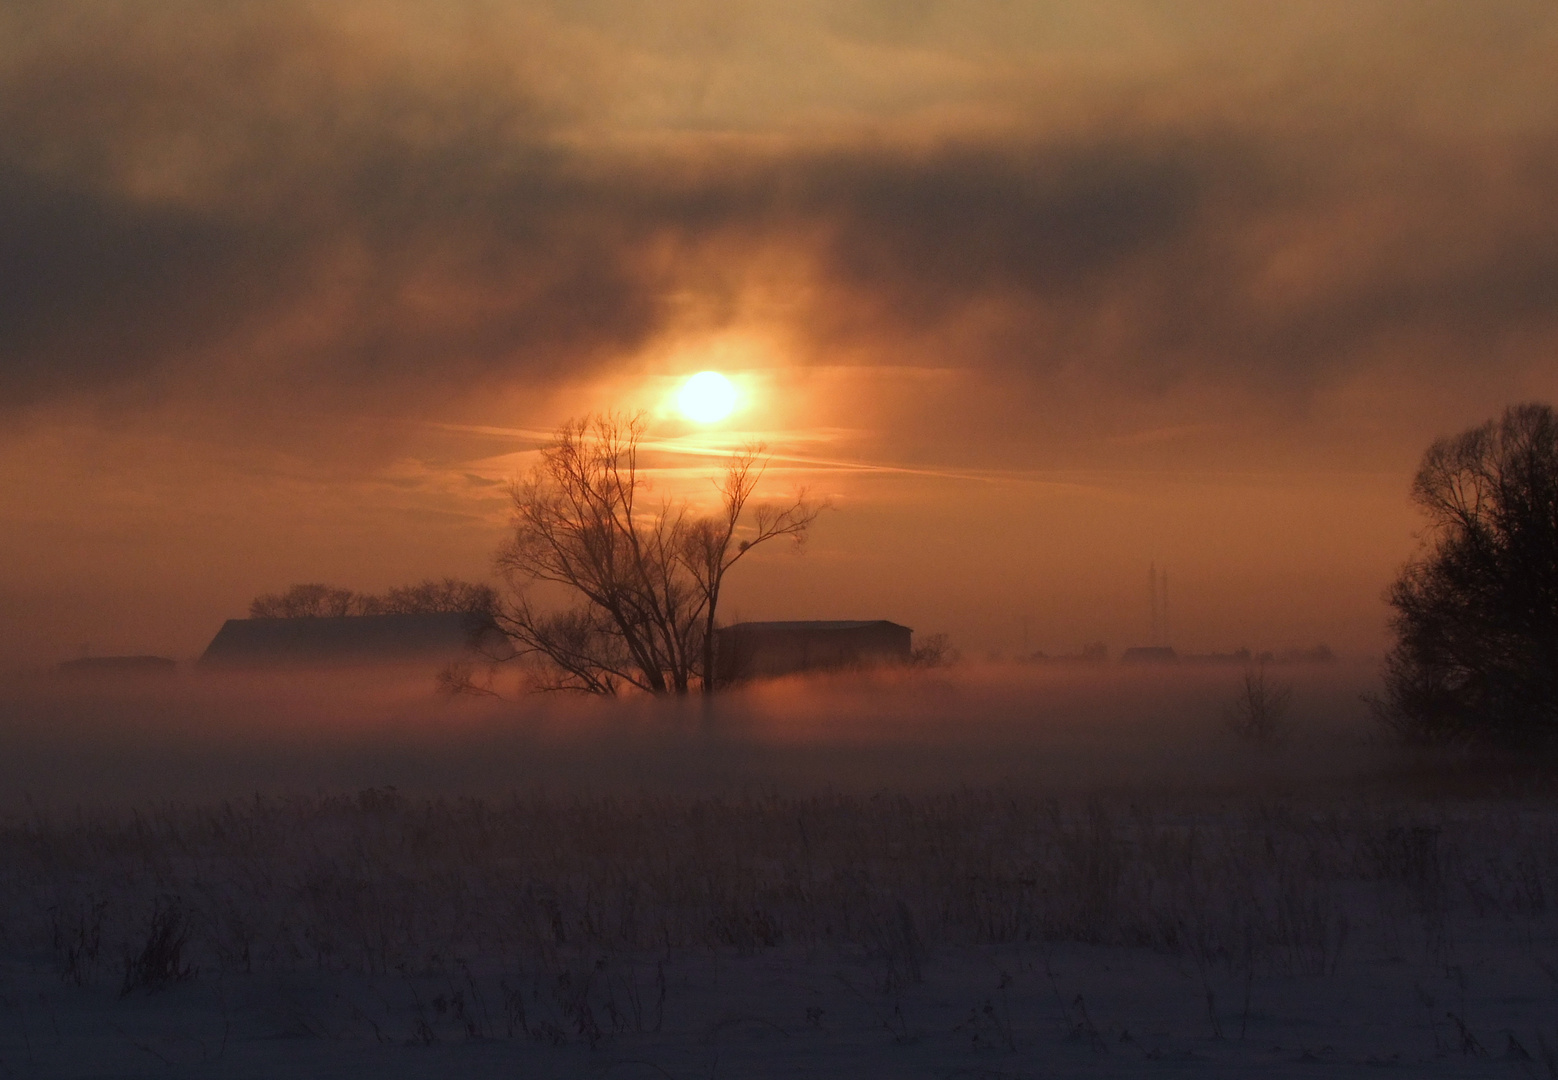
345	639
815	624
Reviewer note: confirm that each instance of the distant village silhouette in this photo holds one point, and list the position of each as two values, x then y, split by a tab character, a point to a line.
745	650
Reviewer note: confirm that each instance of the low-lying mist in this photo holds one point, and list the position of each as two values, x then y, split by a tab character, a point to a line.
199	736
346	874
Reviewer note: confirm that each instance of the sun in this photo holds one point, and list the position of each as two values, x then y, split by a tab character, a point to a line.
706	398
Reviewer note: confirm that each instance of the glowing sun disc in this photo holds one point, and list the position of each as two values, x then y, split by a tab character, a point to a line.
707	397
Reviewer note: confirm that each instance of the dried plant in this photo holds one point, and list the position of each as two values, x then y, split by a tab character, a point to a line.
1259	711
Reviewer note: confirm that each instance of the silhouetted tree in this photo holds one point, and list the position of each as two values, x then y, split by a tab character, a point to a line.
303	601
645	581
934	651
710	545
1476	615
1258	713
449	596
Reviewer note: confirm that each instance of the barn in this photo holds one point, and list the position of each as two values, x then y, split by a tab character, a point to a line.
348	639
764	649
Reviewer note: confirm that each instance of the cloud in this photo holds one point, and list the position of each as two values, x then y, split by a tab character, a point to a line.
95	290
277	205
350	227
277	278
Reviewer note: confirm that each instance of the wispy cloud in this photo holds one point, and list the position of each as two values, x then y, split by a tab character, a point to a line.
285	272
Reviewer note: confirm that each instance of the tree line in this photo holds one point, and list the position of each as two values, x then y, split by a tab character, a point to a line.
608	589
313	600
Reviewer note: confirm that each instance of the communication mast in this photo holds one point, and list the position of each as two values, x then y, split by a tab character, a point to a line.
1163	604
1157	603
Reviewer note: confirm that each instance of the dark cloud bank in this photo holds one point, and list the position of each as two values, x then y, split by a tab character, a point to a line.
207	207
1221	263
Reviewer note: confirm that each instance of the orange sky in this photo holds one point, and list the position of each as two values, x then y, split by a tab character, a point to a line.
1038	294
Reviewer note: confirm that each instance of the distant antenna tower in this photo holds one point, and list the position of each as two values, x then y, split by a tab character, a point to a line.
1152	603
1163	605
1157	602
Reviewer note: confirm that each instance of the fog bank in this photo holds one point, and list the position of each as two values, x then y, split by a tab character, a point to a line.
1066	727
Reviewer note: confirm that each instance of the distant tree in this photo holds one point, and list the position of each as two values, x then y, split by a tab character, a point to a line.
303	601
1258	712
643	581
1476	614
449	596
935	651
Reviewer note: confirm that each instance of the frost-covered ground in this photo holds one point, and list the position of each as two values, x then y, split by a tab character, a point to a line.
964	934
1024	874
1066	1011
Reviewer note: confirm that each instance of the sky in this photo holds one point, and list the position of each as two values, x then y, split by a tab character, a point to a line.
1036	294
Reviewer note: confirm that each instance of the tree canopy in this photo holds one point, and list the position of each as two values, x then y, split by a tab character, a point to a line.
430	597
1476	614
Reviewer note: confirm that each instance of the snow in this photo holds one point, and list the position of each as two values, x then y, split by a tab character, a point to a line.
933	879
344	939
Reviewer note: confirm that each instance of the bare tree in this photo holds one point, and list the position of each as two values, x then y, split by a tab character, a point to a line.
645	580
303	601
1476	619
934	651
1258	712
448	596
710	545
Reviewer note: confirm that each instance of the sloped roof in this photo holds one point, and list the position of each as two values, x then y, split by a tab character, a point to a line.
814	624
345	639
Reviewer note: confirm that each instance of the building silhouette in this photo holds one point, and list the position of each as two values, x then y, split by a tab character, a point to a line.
765	649
348	639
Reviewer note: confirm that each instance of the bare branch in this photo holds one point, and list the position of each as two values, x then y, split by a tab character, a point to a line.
646	581
1476	615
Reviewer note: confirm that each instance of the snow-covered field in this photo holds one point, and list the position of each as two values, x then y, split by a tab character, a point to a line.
959	878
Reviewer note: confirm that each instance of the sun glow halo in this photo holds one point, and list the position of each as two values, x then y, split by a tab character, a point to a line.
707	397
